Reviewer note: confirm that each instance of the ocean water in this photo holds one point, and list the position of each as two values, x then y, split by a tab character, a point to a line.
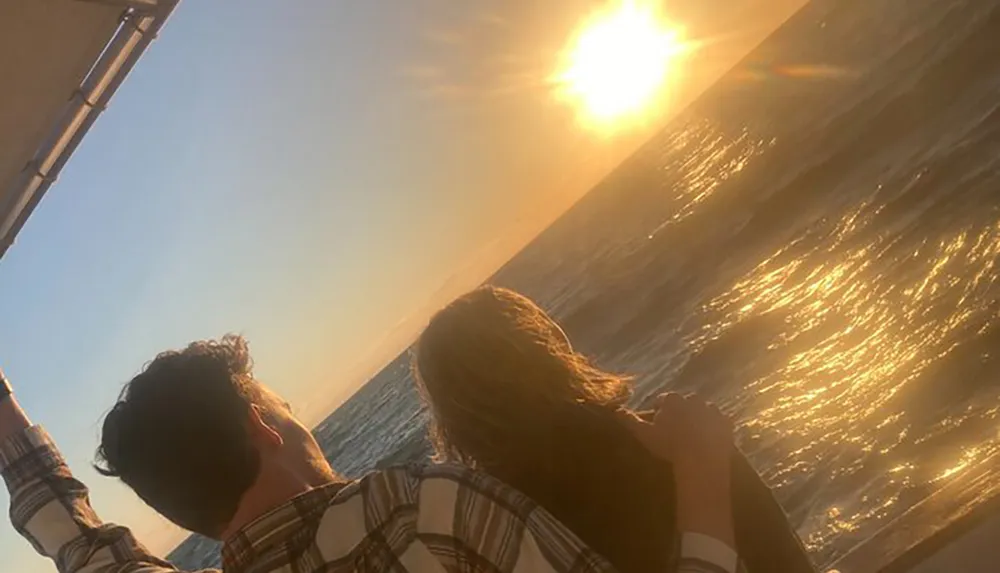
814	245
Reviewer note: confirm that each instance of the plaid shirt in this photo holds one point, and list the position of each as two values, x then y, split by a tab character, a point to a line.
426	519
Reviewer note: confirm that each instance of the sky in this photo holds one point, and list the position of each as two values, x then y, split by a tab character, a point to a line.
318	176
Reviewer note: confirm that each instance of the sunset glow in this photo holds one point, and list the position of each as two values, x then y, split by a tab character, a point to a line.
620	63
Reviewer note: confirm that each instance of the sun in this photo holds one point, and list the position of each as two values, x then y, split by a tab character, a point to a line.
620	63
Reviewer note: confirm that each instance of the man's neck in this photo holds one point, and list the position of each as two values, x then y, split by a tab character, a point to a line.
274	487
267	493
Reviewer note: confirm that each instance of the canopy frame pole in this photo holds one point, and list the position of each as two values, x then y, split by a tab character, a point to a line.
138	5
137	30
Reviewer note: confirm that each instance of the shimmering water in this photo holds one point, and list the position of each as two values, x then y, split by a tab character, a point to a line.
814	245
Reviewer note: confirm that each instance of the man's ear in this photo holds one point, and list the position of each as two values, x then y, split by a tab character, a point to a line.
262	431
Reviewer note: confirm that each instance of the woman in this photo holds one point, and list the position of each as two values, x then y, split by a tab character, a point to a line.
509	396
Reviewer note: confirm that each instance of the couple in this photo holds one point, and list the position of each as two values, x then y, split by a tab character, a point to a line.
205	444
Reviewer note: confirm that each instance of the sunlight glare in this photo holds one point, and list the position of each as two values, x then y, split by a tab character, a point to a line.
619	62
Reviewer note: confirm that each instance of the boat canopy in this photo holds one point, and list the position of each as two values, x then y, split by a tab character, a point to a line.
61	61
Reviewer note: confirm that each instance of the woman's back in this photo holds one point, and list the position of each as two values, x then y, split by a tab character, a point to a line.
598	480
594	477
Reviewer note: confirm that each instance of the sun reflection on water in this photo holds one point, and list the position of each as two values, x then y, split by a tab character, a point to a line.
709	158
863	322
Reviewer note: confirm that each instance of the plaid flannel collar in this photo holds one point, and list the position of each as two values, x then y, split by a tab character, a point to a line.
291	525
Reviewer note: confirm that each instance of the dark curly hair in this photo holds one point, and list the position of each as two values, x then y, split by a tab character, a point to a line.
178	434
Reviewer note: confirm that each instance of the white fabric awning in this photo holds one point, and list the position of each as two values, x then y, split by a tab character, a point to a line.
60	61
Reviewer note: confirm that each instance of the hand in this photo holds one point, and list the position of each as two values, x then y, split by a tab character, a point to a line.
12	417
697	439
691	434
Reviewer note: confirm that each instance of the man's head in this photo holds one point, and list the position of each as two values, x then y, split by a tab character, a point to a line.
196	437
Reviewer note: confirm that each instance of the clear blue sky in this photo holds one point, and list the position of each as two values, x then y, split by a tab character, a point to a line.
316	175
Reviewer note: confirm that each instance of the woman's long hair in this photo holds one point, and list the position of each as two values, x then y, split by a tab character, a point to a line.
511	397
499	375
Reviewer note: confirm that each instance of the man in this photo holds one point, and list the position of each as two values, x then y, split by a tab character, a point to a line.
206	445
